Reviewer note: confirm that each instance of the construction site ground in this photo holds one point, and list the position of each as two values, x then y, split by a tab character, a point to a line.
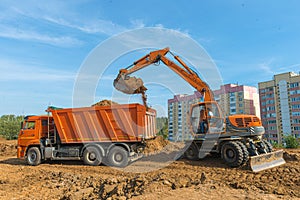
209	178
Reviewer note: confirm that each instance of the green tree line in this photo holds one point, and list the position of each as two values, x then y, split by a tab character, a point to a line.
162	126
10	126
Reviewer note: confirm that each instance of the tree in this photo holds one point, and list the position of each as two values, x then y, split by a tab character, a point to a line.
291	141
10	126
162	126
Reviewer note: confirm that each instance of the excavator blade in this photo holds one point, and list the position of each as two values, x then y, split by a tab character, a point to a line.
266	161
129	85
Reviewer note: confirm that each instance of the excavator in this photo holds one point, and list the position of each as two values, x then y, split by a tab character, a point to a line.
238	139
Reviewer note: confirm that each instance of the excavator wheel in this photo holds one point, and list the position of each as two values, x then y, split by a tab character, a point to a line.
268	145
245	152
232	154
261	147
192	152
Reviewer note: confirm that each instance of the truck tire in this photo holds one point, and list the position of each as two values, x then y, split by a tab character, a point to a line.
33	156
268	146
192	152
232	154
245	152
92	156
118	157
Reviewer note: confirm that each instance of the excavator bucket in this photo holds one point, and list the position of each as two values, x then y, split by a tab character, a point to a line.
129	85
266	161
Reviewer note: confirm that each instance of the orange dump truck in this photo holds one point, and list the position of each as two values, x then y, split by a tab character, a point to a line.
114	134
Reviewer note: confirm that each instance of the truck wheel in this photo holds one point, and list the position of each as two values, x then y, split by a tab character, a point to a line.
232	154
33	156
92	156
118	157
245	152
192	152
268	146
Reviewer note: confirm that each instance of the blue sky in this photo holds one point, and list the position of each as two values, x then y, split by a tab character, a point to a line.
43	45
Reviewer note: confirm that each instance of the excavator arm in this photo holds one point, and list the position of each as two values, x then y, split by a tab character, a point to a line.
133	85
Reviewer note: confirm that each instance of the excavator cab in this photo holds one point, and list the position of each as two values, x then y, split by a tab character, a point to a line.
206	118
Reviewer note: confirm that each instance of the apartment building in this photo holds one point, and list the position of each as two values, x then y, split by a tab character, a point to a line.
238	99
233	99
177	115
280	106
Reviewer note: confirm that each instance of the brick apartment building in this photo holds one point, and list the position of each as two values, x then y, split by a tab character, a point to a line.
280	106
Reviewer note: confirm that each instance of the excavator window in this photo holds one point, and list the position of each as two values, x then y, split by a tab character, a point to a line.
206	118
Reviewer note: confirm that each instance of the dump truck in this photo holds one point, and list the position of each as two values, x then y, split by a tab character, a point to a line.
114	134
237	138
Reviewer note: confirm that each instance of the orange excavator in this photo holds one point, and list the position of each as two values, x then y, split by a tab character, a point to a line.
237	138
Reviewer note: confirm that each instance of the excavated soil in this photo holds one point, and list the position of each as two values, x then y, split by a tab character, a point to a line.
105	102
209	178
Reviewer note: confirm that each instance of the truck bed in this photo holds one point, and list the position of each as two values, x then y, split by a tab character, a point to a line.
115	123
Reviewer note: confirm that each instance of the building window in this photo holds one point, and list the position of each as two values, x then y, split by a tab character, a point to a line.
297	128
296	106
293	85
269	89
292	92
296	121
270	108
295	113
295	99
232	104
272	122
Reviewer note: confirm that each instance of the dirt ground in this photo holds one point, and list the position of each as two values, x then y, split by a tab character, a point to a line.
203	179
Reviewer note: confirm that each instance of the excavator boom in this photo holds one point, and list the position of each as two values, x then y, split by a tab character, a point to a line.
133	85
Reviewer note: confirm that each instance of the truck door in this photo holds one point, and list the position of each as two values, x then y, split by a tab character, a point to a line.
28	133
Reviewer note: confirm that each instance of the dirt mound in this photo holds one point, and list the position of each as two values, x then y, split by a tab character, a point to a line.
155	145
8	148
209	178
105	102
290	156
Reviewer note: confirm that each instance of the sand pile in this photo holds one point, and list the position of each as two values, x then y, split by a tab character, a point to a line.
155	145
8	147
105	102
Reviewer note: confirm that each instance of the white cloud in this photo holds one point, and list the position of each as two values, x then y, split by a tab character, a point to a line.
137	23
266	66
92	26
14	71
15	33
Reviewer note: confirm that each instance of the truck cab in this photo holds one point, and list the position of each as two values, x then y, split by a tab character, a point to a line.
33	130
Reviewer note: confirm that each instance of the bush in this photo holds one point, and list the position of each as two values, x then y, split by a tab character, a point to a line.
276	145
291	142
10	126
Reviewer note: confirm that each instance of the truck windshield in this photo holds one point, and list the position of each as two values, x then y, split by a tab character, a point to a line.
29	125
